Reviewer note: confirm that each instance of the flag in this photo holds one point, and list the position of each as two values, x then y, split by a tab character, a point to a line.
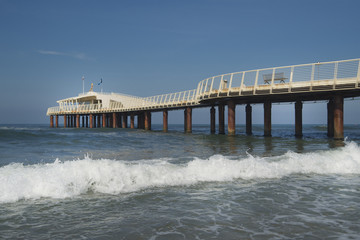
100	81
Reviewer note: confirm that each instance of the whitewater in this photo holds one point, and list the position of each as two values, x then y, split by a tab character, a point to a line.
134	184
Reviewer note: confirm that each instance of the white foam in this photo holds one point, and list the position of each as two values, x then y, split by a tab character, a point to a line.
73	178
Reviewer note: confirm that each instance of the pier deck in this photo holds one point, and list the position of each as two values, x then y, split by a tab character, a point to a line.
331	81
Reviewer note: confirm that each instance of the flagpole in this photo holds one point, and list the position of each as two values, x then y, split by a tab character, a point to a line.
83	80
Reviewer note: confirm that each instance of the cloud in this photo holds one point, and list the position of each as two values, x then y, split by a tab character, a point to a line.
81	56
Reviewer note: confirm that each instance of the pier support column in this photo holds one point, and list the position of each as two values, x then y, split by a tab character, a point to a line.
77	120
124	120
57	121
98	121
212	120
147	120
103	120
83	120
338	117
231	117
65	121
68	121
73	118
132	121
95	117
87	121
91	120
221	119
114	120
330	118
188	120
51	121
248	110
142	120
267	119
298	119
165	120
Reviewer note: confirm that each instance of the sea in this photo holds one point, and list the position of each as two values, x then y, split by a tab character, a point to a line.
104	183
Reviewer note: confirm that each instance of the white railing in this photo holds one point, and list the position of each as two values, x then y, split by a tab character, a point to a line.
322	76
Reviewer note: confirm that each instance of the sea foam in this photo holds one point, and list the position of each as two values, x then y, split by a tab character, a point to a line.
73	178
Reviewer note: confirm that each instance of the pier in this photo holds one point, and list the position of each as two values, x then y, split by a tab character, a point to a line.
323	81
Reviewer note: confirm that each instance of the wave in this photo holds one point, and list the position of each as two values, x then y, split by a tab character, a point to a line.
73	178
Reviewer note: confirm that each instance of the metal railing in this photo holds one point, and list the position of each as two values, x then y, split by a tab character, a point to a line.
321	76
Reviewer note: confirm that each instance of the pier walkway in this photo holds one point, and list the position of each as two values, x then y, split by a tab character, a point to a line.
330	81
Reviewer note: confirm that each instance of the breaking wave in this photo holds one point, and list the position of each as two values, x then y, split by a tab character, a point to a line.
73	178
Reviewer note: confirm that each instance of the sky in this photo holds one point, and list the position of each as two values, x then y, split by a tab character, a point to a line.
152	47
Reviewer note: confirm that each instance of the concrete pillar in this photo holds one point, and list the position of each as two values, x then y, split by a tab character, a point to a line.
65	121
68	121
248	110
83	121
94	120
51	121
87	121
188	120
73	118
165	120
338	117
147	120
132	121
104	120
221	119
267	118
212	119
98	121
231	117
91	120
57	121
330	118
141	120
77	120
114	120
298	118
124	120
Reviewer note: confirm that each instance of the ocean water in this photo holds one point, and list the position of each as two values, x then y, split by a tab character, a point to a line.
135	184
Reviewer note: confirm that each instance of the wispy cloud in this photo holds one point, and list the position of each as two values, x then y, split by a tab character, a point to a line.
81	56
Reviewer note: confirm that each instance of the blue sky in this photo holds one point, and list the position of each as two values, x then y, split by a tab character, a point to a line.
146	48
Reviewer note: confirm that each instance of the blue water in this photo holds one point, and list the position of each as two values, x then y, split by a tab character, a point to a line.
136	184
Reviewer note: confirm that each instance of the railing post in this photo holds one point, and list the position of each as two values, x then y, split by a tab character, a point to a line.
272	81
242	83
335	74
256	81
230	83
312	76
291	78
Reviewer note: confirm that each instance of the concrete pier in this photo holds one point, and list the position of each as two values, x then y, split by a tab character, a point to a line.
221	118
298	119
248	110
51	121
267	118
212	119
330	118
188	120
77	120
338	117
165	120
231	117
91	120
132	121
147	120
